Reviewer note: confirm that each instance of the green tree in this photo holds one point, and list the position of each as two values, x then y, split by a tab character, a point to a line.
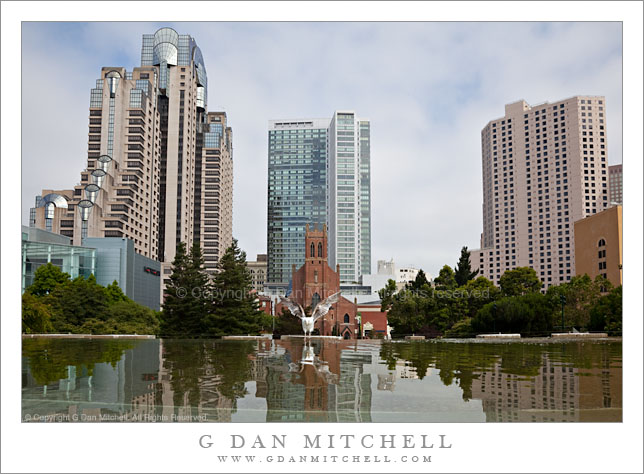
445	280
114	293
582	294
286	323
478	293
47	278
419	282
36	316
519	281
463	270
530	315
188	296
76	301
606	314
123	317
235	310
387	295
406	314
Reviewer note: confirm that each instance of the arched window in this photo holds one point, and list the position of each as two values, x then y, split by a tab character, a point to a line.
312	250
315	300
601	243
320	249
346	318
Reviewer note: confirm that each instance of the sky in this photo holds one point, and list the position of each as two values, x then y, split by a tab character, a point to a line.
427	88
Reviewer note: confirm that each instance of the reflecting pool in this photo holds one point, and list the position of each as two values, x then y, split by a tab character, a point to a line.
165	380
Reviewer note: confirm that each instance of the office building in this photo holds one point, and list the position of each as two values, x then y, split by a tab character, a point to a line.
118	194
386	267
615	184
137	276
598	245
297	167
257	271
40	247
213	211
109	259
349	199
319	173
159	166
544	167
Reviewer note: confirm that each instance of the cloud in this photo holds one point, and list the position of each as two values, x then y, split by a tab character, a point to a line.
428	89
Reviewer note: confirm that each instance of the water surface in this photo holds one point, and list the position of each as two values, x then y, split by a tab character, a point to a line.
164	380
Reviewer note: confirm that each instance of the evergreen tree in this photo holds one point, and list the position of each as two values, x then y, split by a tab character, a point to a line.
187	295
419	282
235	311
386	295
114	293
463	271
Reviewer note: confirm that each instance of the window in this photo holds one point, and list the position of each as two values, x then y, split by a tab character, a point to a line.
601	243
320	250
312	250
346	319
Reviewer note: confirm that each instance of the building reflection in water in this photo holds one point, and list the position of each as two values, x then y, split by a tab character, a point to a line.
558	393
323	380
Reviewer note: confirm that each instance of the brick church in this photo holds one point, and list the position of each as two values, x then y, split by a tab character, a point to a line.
314	281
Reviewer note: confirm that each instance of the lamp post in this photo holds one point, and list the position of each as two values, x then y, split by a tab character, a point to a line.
562	299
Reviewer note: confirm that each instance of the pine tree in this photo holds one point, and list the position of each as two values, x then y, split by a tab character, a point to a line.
186	297
463	271
419	281
235	310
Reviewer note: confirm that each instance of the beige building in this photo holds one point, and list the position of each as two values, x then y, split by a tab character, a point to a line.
544	167
118	194
258	271
615	184
598	245
159	166
213	225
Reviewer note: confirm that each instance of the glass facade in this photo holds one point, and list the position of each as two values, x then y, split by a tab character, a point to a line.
212	138
350	196
364	147
297	167
77	261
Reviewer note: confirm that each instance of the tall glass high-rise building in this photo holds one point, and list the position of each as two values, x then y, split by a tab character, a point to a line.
319	173
349	196
297	180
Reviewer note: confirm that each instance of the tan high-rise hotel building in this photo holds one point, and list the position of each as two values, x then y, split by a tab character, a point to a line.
544	167
159	166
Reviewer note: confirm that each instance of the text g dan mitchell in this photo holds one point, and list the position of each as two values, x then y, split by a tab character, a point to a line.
342	441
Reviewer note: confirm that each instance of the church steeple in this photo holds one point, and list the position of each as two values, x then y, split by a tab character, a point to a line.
316	243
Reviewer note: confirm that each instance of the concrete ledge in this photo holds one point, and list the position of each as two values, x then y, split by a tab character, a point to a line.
578	335
297	336
90	336
414	338
498	336
248	338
